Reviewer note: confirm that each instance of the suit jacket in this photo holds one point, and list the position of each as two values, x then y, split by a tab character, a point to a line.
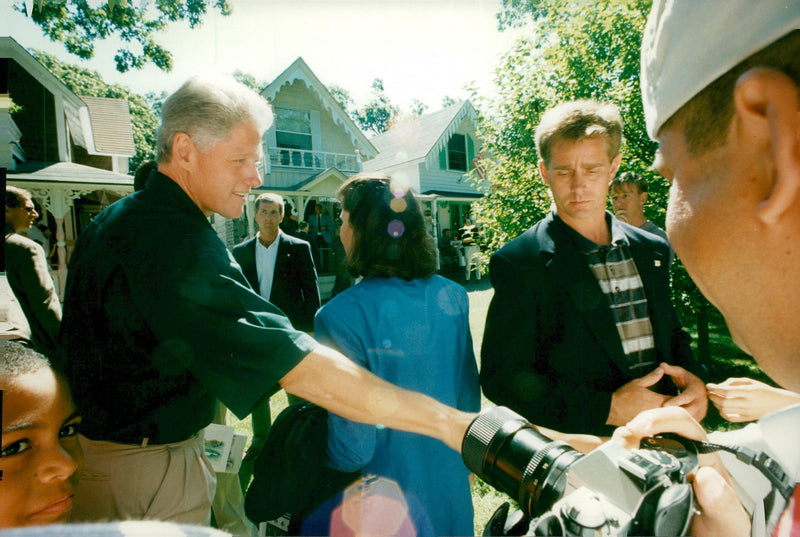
29	279
551	350
294	283
324	222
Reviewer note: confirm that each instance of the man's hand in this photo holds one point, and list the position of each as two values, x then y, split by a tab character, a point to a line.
634	397
693	396
744	399
720	510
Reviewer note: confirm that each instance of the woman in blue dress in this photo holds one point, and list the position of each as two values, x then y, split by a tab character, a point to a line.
410	327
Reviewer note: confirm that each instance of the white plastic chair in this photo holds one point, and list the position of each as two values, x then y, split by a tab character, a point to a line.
472	255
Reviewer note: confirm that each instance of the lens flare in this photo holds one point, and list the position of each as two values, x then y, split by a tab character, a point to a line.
396	229
398	205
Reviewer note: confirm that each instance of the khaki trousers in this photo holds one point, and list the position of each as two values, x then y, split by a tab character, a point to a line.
173	482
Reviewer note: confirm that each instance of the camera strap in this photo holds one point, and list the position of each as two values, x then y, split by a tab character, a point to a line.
768	466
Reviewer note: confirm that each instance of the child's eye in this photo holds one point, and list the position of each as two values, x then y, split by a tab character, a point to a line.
71	429
15	448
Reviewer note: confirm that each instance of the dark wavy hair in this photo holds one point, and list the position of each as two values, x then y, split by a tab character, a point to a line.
389	237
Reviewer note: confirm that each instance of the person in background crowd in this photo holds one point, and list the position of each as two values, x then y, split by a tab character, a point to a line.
320	226
628	196
727	123
410	327
27	272
581	327
40	457
289	223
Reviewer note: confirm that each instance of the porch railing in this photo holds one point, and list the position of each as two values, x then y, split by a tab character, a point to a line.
301	158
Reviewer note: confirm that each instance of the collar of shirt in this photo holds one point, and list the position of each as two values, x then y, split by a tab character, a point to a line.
266	256
161	190
618	237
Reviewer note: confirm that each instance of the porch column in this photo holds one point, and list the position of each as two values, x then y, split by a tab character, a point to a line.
59	201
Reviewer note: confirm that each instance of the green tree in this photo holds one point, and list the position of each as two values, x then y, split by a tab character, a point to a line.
78	25
342	96
249	80
573	53
449	101
376	116
81	81
418	107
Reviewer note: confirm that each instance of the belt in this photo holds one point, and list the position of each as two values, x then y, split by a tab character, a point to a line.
141	436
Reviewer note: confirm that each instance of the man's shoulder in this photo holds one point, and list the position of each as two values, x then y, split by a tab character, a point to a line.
294	240
17	243
248	243
529	243
644	237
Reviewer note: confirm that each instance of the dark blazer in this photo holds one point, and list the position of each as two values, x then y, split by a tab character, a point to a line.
551	350
294	283
29	279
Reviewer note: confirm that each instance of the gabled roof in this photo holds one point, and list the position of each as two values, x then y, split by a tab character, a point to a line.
67	172
9	48
111	126
102	126
299	70
310	182
419	139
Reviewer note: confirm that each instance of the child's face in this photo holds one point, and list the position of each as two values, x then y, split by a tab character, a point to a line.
40	457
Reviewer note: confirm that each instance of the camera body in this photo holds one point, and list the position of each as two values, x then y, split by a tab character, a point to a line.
611	491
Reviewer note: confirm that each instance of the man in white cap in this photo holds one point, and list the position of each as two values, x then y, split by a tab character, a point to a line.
721	92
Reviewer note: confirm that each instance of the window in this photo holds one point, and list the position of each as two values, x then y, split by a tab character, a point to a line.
457	153
293	129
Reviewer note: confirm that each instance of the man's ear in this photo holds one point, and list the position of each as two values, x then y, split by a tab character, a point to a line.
543	172
769	101
183	148
615	162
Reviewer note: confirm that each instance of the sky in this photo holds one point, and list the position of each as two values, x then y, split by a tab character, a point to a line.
423	49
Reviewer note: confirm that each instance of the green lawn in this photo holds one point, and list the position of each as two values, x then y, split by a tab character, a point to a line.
727	360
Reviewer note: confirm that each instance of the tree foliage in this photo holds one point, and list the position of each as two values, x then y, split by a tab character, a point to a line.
343	97
376	116
249	80
418	108
78	25
81	81
572	53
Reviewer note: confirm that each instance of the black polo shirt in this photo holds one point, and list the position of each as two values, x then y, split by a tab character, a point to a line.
159	322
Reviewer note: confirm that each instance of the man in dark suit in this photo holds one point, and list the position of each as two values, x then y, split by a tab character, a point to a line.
287	277
581	328
28	276
281	269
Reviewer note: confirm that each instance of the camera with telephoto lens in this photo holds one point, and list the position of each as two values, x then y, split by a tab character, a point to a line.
610	491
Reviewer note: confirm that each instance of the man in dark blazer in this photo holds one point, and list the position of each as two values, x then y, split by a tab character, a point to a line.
28	276
281	269
581	328
294	277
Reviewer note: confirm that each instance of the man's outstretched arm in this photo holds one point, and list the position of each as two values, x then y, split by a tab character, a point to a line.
329	379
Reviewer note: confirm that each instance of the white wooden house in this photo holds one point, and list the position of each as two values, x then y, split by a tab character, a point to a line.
434	154
312	146
70	152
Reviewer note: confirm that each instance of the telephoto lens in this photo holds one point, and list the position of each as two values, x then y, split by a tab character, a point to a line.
506	451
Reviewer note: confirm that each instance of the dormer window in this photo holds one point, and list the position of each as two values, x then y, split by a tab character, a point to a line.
457	153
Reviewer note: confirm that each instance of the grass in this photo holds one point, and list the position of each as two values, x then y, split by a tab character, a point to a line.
727	360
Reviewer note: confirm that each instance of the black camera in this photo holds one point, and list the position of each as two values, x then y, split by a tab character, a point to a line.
610	491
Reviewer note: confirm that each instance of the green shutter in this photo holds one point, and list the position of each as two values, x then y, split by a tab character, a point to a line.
470	151
443	159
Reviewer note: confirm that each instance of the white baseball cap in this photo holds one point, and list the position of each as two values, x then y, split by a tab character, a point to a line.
688	44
